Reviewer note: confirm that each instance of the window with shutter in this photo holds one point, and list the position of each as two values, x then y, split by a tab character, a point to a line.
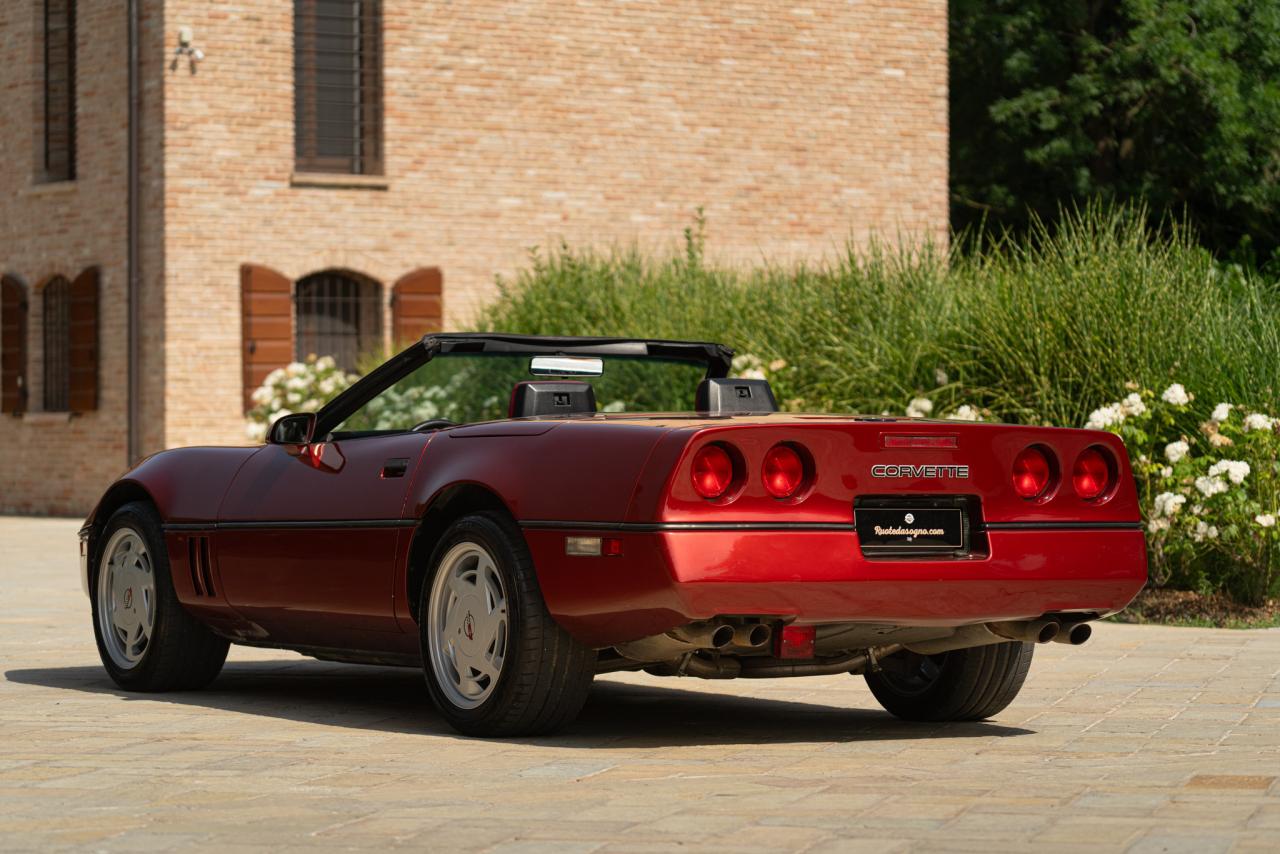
55	317
13	346
59	90
82	351
417	305
266	316
339	315
337	49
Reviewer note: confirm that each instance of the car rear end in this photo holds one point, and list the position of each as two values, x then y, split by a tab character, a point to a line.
832	523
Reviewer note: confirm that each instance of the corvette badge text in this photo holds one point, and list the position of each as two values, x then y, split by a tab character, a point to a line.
910	471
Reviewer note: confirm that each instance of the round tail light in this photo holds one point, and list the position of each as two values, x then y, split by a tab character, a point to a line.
1032	472
783	472
712	471
1093	474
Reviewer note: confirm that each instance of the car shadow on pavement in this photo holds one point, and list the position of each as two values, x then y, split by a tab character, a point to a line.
392	699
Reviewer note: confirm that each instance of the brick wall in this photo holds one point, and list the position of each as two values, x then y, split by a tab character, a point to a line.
52	462
508	125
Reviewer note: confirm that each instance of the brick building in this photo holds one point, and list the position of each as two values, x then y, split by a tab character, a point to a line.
321	174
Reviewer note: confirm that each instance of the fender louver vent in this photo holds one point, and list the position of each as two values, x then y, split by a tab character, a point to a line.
198	562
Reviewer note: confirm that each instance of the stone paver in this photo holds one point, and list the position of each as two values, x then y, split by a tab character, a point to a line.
1145	739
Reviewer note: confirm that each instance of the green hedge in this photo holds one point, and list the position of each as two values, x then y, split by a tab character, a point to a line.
1040	330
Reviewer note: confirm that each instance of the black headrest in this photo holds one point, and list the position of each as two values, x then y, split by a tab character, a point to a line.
562	397
727	396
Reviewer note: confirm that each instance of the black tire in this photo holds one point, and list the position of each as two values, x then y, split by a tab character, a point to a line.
961	685
182	654
545	673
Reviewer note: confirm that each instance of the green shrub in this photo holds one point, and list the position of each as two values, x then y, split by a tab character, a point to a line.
1211	494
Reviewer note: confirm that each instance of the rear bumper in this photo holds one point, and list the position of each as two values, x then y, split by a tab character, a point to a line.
666	578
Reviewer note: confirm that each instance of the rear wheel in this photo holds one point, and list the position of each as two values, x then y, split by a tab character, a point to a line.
961	685
146	640
496	662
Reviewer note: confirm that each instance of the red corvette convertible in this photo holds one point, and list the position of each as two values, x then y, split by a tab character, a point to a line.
517	514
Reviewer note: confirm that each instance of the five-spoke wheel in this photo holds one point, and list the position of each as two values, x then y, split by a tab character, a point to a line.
146	641
496	662
467	625
126	598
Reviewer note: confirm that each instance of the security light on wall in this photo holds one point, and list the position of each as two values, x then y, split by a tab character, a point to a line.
185	48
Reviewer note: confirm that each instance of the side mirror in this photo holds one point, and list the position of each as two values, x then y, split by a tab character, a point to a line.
296	429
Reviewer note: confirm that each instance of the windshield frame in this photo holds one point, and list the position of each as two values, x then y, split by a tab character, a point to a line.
717	358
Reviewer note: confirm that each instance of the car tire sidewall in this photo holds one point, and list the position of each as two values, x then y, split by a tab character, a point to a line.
487	534
143	521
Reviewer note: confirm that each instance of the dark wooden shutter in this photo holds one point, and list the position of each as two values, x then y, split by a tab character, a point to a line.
13	346
417	305
83	334
266	316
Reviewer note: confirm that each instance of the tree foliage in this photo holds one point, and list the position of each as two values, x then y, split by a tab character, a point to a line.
1172	102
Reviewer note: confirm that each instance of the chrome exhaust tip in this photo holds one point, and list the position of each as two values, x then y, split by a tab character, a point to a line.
1076	634
752	636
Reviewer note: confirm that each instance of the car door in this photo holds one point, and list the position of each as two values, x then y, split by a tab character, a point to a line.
307	535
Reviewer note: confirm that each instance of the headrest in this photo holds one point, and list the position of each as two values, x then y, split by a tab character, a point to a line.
562	397
735	396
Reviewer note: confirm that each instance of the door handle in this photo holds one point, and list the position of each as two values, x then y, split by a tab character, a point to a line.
395	467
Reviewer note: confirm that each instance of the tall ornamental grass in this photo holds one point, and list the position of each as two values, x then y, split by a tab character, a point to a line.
1039	330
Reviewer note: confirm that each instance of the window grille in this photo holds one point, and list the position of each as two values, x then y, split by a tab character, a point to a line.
337	49
57	345
59	90
338	315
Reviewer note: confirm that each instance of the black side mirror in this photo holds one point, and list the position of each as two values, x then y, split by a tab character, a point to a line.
296	429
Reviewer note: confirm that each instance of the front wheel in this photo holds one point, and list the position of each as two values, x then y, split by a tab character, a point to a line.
961	685
146	640
496	662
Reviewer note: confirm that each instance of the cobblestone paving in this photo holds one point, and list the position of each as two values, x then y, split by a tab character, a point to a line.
1145	739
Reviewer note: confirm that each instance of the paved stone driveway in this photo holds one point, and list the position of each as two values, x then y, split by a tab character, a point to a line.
1146	739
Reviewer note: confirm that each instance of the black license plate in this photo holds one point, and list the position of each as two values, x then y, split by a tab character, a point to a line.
910	530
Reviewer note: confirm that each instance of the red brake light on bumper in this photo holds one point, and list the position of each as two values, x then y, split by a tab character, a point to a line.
1094	473
1032	472
712	472
784	471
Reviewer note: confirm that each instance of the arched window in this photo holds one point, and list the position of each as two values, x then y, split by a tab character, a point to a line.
56	321
339	314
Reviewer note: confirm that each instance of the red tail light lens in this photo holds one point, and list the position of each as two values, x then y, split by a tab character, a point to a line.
783	472
1032	472
1093	474
712	471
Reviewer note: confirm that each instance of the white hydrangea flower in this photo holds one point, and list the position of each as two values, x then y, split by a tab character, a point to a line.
1157	525
614	406
1107	416
1176	394
919	407
1175	451
1211	486
1132	406
777	365
294	369
1258	421
940	376
1235	470
326	363
1221	413
1204	531
1266	520
1166	472
965	413
1168	504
